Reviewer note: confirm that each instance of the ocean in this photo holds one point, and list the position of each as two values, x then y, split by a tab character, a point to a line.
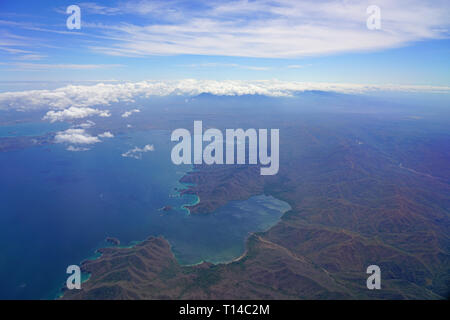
58	206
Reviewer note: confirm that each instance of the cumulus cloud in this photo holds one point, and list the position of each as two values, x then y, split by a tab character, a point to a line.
76	149
69	96
86	124
78	101
74	113
75	136
137	152
78	136
106	134
129	113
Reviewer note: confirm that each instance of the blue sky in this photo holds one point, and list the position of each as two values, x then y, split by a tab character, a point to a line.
313	41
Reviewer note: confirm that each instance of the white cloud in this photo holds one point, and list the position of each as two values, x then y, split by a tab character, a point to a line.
94	8
74	113
106	134
69	96
137	152
30	57
42	67
295	66
87	124
271	28
129	113
76	149
76	102
227	65
75	136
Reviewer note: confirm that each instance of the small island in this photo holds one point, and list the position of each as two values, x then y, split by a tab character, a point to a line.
113	241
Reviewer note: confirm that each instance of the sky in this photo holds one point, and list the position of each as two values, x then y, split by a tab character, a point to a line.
306	41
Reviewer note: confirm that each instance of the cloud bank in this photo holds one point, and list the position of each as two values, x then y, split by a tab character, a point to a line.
75	102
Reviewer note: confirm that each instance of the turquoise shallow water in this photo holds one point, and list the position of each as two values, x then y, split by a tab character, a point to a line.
57	207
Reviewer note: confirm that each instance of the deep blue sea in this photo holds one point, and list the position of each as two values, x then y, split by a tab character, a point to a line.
30	129
57	207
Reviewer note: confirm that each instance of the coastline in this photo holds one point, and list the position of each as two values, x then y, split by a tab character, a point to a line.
180	186
219	262
186	206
